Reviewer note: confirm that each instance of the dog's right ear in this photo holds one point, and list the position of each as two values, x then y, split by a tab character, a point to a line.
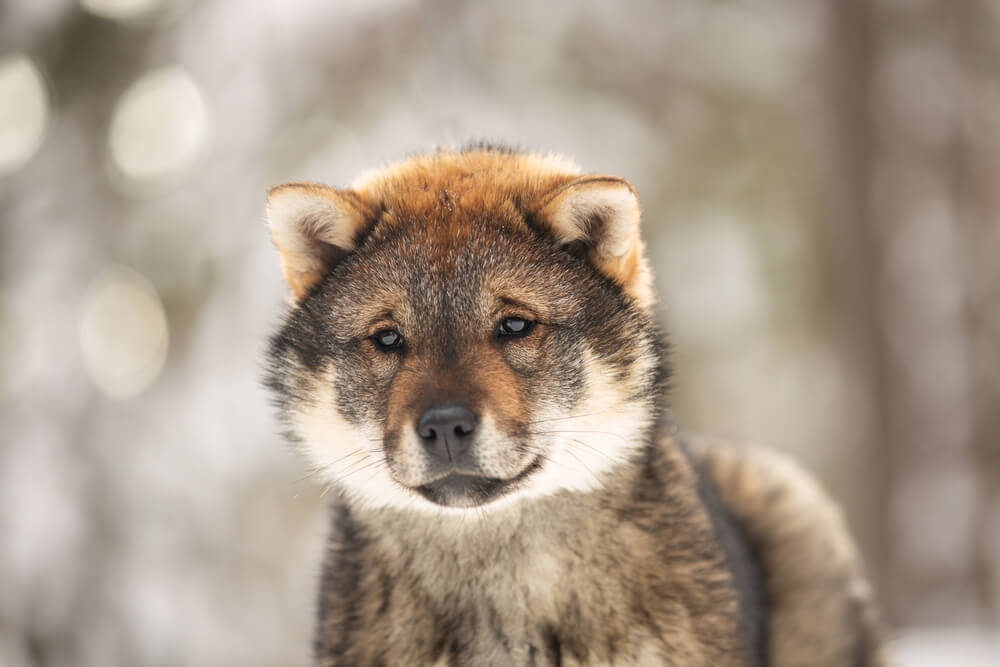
312	226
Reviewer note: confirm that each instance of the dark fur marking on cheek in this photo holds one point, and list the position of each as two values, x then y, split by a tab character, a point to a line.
558	381
360	396
312	339
297	337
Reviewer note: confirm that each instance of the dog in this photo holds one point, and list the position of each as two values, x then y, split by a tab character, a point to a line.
472	364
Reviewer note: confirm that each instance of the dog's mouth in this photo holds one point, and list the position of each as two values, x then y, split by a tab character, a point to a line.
459	490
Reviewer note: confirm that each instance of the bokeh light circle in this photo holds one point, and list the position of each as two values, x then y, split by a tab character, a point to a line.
121	10
123	332
24	111
157	127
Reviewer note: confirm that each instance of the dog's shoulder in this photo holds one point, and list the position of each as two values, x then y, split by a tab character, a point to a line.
741	559
819	605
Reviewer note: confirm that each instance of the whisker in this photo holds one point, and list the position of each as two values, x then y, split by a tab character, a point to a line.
355	466
585	466
380	465
367	466
359	450
556	432
594	449
313	472
583	416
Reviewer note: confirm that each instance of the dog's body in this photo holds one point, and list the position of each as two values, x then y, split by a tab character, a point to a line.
473	364
630	575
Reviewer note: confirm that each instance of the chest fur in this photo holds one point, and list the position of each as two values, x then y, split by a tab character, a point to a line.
625	596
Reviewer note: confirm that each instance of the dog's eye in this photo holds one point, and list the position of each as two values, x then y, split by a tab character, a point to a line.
387	339
514	327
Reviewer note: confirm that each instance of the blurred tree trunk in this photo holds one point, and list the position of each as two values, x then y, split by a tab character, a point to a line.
920	238
854	256
976	180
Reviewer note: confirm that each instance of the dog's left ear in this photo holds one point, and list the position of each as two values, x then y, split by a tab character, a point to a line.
601	214
312	226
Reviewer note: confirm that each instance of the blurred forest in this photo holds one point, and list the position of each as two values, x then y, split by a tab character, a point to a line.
821	190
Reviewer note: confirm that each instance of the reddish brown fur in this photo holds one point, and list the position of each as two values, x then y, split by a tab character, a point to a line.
483	382
448	187
445	191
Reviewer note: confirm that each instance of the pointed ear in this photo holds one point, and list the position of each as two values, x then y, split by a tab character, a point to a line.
312	226
601	214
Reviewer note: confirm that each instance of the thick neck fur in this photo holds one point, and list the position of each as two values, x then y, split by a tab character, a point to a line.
520	529
628	574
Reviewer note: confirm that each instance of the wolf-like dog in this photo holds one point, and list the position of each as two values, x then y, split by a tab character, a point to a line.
472	363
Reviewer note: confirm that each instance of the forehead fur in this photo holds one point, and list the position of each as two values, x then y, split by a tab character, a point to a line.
451	182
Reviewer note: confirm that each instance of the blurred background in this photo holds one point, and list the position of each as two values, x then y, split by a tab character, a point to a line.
820	187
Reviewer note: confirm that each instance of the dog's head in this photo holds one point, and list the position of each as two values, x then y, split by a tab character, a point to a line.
467	326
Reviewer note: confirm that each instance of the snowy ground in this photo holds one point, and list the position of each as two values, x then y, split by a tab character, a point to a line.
947	648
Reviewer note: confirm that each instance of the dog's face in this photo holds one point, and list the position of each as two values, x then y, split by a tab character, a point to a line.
468	327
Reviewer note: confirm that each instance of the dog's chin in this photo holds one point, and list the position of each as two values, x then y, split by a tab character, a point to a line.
467	491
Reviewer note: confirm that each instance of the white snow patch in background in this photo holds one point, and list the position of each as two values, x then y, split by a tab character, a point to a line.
953	647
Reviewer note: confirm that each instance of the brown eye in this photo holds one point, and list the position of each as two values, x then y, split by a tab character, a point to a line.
387	340
514	327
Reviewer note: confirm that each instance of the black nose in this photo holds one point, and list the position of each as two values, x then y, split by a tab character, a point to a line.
447	430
